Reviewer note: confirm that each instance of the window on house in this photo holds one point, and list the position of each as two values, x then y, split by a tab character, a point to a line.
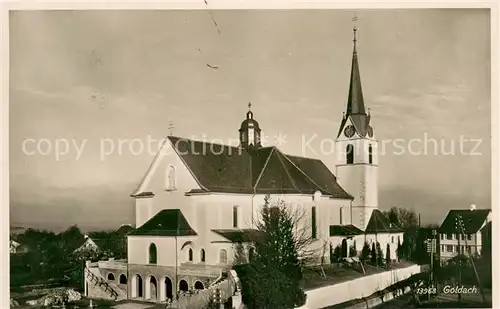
442	236
449	236
370	155
235	216
457	236
123	279
170	178
442	248
190	255
350	154
469	236
449	248
152	254
341	213
313	222
111	277
392	239
223	256
202	255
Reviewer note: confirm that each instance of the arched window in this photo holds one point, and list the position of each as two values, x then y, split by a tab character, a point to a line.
349	154
111	277
223	256
313	222
170	178
235	216
370	155
202	255
123	279
190	255
152	254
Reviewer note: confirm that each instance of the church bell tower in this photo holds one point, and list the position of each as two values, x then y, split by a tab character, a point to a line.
356	151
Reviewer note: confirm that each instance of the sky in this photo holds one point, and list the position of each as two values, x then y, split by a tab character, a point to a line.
98	84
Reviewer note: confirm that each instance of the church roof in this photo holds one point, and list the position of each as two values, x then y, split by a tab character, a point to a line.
473	220
239	235
345	230
380	224
168	222
228	169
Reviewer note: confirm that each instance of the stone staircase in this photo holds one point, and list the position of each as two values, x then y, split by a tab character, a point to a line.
111	290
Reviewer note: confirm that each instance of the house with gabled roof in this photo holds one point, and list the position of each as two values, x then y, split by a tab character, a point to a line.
199	201
461	232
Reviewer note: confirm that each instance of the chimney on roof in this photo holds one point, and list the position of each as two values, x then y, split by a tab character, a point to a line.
472	207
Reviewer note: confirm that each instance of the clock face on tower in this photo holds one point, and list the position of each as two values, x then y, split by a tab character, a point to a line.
370	131
349	131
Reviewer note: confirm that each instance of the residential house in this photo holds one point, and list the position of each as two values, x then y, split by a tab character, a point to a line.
460	232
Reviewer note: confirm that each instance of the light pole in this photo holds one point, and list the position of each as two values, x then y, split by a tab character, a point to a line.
433	252
459	269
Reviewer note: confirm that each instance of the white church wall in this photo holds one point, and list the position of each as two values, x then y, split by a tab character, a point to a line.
156	181
143	210
138	249
384	239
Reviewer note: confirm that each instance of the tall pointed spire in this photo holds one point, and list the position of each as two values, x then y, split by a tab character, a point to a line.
355	102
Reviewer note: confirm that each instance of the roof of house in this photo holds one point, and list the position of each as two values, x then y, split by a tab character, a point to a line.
380	224
266	170
168	222
473	220
345	230
238	235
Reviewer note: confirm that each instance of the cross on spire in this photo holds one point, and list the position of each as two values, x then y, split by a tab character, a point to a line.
249	105
170	128
354	29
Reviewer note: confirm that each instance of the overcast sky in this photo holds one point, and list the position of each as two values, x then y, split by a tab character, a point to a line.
91	77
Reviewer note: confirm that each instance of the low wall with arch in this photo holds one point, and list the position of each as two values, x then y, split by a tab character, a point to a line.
157	283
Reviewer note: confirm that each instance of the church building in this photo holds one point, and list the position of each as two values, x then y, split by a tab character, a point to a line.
198	200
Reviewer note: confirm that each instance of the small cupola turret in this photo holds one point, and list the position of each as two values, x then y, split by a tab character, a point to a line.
250	131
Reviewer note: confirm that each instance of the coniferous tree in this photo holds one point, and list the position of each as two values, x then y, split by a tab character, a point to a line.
399	250
388	255
373	255
380	254
273	278
365	253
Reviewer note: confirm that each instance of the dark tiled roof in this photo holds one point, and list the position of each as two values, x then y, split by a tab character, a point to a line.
168	222
345	230
240	235
380	224
228	169
472	219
